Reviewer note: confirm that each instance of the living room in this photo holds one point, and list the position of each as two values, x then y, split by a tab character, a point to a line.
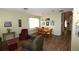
39	29
13	20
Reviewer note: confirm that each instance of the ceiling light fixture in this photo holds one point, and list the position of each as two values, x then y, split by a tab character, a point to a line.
61	10
25	8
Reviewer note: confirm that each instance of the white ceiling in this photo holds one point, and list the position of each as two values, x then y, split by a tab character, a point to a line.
39	11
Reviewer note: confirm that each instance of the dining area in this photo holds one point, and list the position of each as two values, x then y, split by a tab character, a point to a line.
44	31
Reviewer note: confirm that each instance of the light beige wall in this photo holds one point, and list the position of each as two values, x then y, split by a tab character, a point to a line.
56	17
75	38
14	16
6	15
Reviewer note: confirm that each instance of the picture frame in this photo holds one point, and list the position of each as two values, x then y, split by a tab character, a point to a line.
7	24
47	23
43	23
52	22
19	23
47	19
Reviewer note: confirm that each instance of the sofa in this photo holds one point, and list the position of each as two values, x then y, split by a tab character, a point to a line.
36	44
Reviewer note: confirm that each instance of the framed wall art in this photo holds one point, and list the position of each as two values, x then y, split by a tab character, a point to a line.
43	23
52	22
7	24
47	23
19	23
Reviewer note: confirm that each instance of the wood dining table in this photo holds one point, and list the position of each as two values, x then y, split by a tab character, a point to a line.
44	31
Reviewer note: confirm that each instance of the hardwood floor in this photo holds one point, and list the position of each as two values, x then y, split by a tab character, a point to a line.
58	43
54	43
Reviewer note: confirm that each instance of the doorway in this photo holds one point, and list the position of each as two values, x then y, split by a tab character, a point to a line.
66	26
66	22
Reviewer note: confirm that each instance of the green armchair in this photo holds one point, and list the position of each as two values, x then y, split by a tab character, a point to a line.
35	45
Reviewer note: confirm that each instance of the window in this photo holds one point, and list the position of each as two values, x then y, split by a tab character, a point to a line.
65	23
33	22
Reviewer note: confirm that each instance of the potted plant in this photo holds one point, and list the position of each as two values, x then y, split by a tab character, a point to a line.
8	30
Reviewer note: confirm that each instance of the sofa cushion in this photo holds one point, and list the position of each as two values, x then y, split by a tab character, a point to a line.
35	45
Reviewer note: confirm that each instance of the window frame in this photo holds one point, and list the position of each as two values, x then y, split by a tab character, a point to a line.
36	18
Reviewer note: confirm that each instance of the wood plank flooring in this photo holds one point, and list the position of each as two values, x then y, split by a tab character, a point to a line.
58	43
54	43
